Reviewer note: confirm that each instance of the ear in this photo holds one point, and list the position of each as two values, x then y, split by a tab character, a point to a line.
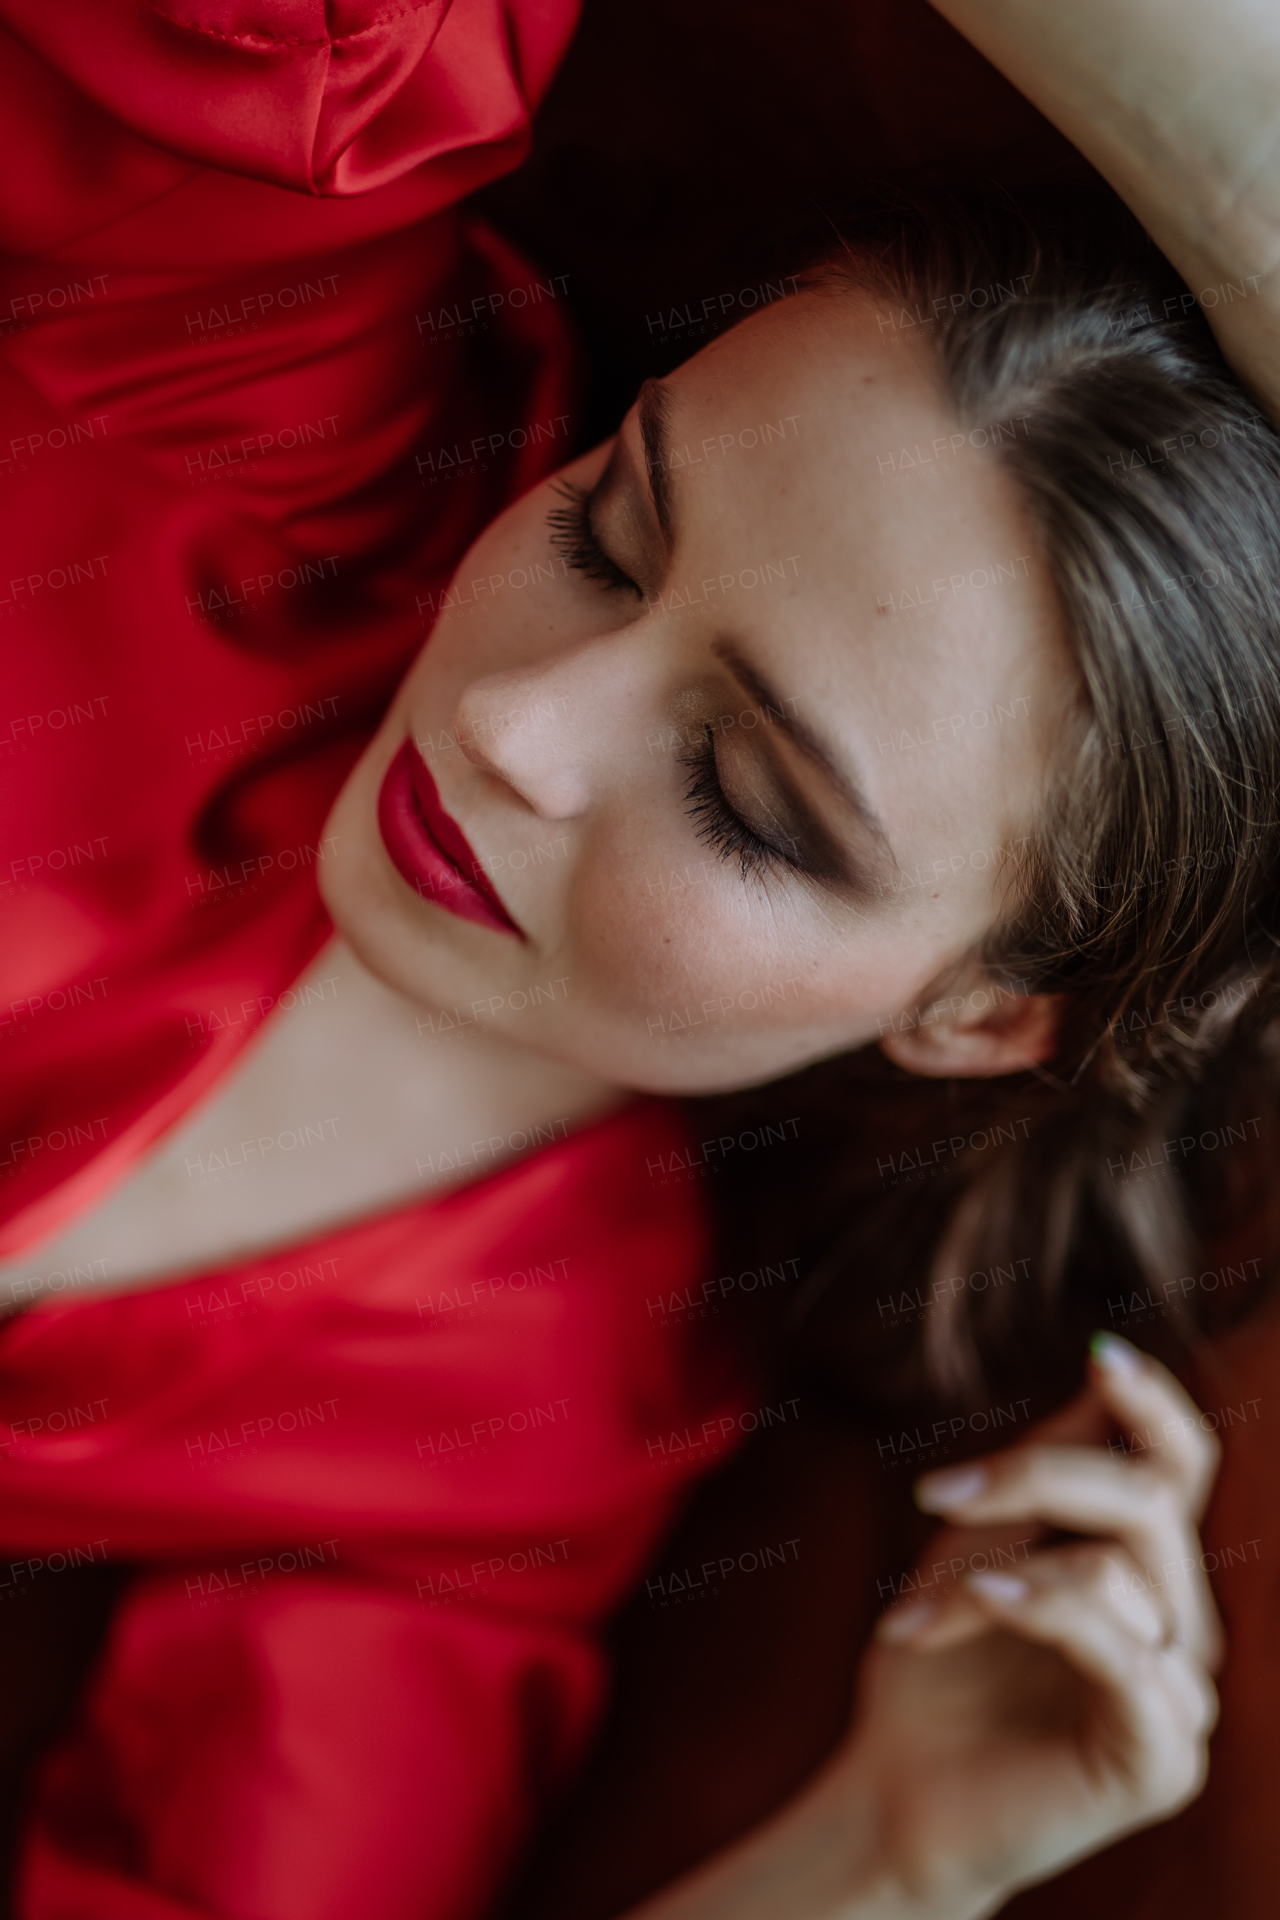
977	1035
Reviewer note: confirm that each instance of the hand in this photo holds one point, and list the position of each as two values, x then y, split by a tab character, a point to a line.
1028	1716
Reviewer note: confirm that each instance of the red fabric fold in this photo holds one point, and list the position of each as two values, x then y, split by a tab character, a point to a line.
383	1489
251	433
322	96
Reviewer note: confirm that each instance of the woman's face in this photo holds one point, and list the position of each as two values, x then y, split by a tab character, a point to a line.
743	746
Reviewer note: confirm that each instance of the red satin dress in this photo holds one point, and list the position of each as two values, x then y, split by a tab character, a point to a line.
263	380
384	1490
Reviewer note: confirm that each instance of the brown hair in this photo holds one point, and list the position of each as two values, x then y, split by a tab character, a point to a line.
1146	894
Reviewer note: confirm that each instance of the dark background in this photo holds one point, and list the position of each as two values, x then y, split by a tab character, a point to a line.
686	151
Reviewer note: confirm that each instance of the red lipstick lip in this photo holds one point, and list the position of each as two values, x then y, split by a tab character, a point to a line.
428	848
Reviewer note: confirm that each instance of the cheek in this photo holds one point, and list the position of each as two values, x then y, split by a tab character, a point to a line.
656	924
642	910
655	921
651	938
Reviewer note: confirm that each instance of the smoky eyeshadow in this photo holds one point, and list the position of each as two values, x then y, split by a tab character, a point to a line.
631	539
793	828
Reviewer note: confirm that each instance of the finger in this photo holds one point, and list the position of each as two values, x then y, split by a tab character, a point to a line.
928	1625
1083	1490
1100	1576
1156	1416
1165	1701
953	1552
1149	1710
1103	1577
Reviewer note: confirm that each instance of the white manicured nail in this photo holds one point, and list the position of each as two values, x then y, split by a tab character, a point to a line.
901	1621
1000	1586
1115	1354
950	1488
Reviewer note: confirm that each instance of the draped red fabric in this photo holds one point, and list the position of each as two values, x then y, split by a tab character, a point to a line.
384	1488
262	383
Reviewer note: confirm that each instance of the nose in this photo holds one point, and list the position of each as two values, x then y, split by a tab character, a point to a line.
552	729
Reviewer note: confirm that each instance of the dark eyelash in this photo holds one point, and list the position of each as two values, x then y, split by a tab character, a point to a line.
719	826
573	539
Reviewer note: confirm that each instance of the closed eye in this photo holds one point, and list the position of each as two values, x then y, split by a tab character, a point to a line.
720	825
574	539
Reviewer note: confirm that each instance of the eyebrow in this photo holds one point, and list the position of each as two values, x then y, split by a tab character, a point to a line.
653	404
803	737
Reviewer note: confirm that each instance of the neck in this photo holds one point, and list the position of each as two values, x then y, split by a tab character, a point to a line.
347	1104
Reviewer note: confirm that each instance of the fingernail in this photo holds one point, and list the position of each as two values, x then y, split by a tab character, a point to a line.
950	1488
899	1622
1000	1586
1116	1355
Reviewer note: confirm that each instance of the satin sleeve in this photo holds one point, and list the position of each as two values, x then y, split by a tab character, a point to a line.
327	97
